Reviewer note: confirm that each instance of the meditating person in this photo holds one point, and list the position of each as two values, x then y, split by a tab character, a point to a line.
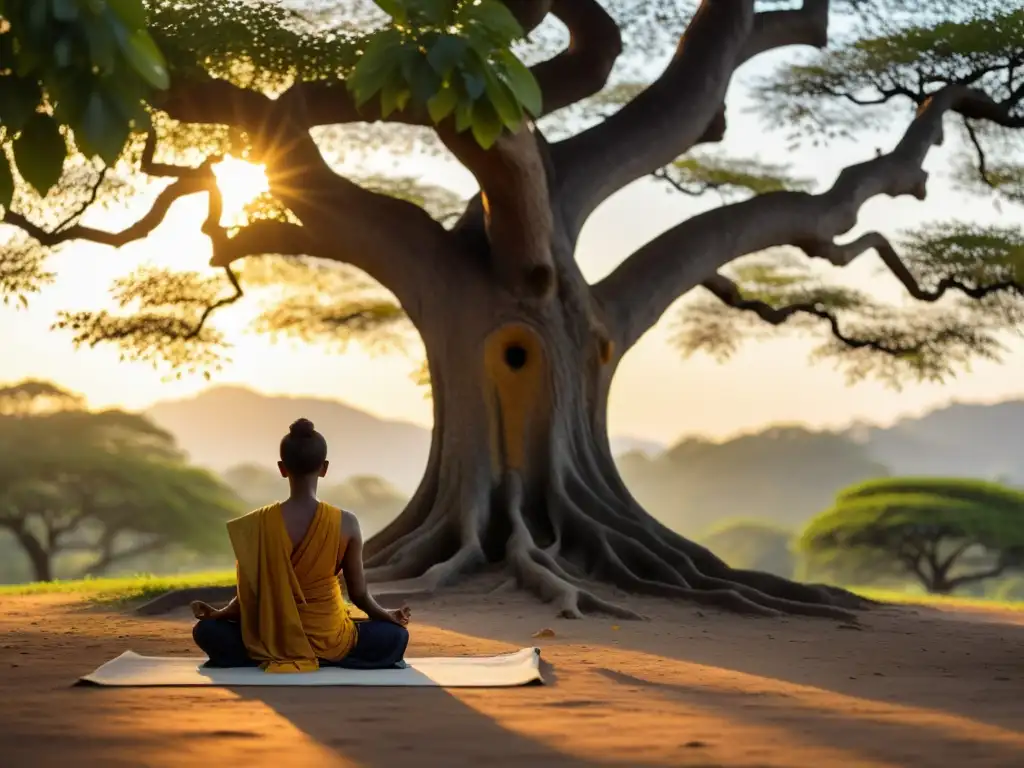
288	614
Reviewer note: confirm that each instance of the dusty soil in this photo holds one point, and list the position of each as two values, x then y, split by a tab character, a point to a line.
911	687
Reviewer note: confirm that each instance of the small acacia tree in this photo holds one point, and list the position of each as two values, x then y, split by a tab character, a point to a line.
521	349
945	533
109	485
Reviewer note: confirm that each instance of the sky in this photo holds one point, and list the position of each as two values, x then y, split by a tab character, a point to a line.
657	394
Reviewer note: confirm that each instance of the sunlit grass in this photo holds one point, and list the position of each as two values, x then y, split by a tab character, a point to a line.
938	601
122	589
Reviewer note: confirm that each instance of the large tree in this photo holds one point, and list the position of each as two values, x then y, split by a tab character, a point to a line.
107	486
521	350
945	533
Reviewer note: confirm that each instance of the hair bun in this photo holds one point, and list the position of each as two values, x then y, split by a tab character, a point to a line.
301	428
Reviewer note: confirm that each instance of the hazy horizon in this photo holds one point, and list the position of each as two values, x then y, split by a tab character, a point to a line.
656	395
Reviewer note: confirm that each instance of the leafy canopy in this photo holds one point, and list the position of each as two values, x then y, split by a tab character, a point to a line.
84	66
910	523
460	63
100	482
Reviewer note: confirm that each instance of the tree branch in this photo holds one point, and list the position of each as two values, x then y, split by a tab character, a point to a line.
726	291
948	561
663	121
393	240
582	69
516	204
681	108
137	231
108	557
967	578
639	291
264	237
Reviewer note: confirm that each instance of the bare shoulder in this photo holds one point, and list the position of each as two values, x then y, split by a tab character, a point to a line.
350	525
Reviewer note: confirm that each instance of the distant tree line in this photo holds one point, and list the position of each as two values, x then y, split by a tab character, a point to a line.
86	493
945	534
100	488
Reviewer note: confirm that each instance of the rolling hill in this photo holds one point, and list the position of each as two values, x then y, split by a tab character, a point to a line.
782	474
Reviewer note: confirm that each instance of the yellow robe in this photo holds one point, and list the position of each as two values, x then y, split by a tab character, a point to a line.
292	610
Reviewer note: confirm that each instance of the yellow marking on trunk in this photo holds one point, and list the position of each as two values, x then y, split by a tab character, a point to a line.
516	363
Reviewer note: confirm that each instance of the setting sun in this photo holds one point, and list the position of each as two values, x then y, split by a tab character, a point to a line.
240	182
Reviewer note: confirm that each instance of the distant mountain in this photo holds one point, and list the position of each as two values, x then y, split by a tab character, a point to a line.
971	440
224	427
786	475
626	444
783	475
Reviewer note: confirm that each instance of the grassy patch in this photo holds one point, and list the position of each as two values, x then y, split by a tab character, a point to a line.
122	589
938	601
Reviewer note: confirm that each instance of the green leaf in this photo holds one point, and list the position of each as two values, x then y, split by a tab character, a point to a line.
19	98
463	115
503	100
487	124
435	12
102	45
442	104
425	82
131	12
494	17
68	96
394	95
146	59
39	151
38	18
6	182
446	54
393	8
62	53
64	10
371	72
103	130
523	84
475	84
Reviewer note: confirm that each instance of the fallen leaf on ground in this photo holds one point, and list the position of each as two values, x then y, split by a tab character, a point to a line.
545	633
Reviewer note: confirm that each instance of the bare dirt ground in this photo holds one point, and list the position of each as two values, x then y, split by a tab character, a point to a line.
911	687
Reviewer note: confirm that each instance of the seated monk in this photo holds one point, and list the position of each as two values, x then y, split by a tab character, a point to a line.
288	614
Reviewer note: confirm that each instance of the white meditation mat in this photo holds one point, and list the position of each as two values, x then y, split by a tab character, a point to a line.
521	667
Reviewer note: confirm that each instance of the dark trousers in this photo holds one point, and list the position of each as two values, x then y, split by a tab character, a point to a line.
379	645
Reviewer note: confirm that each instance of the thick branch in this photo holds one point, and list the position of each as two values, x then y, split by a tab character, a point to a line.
265	237
807	25
639	291
664	121
517	208
582	69
393	240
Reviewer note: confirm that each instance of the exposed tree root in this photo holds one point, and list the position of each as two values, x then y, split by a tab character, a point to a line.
584	531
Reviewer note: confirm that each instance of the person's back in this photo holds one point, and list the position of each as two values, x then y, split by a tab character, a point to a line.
289	614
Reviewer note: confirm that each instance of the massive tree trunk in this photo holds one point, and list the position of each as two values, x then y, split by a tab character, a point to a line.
521	475
40	558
